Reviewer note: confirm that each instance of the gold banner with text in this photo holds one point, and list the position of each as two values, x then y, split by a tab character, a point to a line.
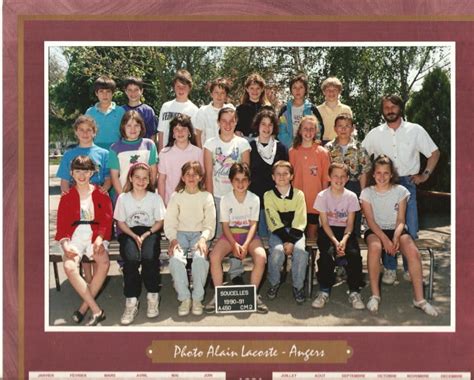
248	351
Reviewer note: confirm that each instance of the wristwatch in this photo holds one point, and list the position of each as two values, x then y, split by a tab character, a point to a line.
427	172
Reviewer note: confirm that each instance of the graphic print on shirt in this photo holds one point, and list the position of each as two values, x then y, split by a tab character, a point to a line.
339	215
134	158
223	162
139	218
313	170
240	220
170	115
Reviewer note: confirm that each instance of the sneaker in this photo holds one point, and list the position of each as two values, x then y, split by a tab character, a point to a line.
77	317
184	308
95	319
426	307
298	294
197	308
321	299
356	300
131	310
389	276
210	307
373	304
238	280
272	291
261	307
406	276
153	300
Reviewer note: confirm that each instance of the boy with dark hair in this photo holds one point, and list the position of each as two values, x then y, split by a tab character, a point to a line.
182	85
106	113
293	111
285	210
133	88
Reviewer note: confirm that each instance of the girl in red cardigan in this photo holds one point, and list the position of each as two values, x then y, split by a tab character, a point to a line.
83	228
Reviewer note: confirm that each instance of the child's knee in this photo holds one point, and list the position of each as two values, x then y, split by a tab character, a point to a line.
70	267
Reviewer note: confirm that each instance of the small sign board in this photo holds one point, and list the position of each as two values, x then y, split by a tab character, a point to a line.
236	299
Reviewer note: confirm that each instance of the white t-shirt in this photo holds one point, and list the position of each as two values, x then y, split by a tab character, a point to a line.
144	212
87	209
224	154
239	215
171	109
385	205
296	115
206	121
337	209
402	145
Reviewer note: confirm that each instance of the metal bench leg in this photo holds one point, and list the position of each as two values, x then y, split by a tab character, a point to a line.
431	278
56	276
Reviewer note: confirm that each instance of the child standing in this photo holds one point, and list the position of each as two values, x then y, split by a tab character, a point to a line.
219	155
311	162
139	213
266	150
189	225
384	205
206	118
131	149
285	210
84	227
85	129
336	239
346	149
182	85
239	216
332	106
252	101
106	113
292	112
181	148
133	88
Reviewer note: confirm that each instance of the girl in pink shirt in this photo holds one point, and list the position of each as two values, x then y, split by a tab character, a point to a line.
311	163
180	149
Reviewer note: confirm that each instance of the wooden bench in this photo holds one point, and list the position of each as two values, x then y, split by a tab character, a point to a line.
424	245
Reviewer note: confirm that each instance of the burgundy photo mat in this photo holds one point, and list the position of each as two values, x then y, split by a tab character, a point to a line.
63	351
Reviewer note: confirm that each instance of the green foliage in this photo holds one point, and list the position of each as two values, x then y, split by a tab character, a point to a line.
431	108
366	73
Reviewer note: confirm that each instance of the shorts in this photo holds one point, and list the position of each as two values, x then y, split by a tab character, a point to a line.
239	237
313	219
389	233
81	240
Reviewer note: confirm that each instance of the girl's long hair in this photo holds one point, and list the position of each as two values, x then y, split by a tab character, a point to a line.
138	166
258	80
183	121
298	140
197	168
383	160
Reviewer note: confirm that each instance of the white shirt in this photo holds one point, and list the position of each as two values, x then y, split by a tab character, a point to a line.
237	214
402	145
224	154
144	212
206	121
171	109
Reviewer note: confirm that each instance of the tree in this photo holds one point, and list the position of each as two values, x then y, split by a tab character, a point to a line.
431	108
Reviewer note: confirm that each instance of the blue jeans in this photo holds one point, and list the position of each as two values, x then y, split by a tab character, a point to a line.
277	258
262	224
199	267
411	220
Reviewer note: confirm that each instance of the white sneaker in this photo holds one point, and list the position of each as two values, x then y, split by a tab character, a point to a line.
184	308
389	276
426	307
153	300
406	276
210	307
197	308
131	310
373	304
356	300
321	299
